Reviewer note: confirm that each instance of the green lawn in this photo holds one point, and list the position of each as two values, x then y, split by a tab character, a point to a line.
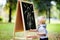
53	27
6	30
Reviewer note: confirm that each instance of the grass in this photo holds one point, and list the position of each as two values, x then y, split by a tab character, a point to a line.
6	30
53	28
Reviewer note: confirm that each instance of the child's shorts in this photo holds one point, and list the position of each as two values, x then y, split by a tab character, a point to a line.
43	38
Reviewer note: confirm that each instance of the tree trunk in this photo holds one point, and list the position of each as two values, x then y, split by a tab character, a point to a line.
46	14
59	14
10	13
49	15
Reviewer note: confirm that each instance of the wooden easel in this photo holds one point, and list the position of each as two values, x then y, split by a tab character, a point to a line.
19	22
19	25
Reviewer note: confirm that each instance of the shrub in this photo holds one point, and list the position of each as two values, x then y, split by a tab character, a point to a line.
1	19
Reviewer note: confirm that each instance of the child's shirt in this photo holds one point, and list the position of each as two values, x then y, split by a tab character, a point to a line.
42	29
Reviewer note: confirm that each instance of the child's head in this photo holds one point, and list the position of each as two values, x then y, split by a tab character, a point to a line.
41	20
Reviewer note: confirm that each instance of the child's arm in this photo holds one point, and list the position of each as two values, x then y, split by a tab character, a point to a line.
41	34
33	30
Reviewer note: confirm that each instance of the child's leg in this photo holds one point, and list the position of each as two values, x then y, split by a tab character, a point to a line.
43	38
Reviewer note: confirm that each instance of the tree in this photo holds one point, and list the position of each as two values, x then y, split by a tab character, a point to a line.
12	6
58	6
43	5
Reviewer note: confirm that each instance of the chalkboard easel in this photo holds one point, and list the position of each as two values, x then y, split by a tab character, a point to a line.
25	18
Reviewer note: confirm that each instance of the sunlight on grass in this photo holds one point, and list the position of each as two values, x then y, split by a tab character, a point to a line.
53	28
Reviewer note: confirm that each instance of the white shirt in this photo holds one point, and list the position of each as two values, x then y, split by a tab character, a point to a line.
42	29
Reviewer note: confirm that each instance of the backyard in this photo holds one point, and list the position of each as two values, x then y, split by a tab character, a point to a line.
49	8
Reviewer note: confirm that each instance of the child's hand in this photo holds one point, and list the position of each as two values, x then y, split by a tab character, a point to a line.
33	30
30	30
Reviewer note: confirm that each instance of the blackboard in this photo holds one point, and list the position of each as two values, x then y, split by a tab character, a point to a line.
28	14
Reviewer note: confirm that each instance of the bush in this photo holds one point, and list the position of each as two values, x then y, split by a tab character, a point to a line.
1	19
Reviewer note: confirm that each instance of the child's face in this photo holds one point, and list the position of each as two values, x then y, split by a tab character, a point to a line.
42	21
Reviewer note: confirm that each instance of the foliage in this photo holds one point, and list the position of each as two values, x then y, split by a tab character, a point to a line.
1	18
12	7
58	4
13	2
42	5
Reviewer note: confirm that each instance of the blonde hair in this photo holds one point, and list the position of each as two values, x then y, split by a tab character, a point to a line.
41	20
